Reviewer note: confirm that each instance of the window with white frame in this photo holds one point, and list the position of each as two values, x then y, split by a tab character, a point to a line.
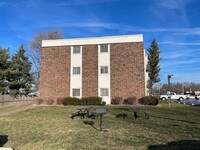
76	49
104	92
76	70
75	92
104	48
104	69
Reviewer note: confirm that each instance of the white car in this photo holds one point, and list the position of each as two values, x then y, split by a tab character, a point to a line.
197	97
173	96
189	96
33	94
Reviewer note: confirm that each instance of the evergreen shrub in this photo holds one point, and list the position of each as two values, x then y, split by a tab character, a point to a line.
82	101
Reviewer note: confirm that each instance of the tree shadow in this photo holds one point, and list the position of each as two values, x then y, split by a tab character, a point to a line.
192	122
177	145
3	140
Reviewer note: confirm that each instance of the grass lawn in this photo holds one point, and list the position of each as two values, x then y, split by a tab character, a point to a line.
50	127
6	108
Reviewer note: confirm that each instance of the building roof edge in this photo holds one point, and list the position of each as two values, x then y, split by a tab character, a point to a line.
93	40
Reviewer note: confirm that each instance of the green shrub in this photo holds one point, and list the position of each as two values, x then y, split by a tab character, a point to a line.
71	101
149	100
103	103
82	101
91	100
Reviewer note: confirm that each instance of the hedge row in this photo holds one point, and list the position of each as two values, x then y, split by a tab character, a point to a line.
83	101
128	101
146	100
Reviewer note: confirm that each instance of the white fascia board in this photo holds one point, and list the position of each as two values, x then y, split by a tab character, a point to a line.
94	40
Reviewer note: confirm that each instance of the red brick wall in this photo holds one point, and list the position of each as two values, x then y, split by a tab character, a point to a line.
127	70
90	70
55	72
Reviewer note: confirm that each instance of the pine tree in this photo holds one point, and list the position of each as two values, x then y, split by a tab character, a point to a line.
19	77
153	64
4	65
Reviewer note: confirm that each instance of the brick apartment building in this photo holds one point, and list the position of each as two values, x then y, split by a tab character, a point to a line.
109	67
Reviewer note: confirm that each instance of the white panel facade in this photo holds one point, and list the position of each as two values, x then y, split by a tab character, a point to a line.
76	79
104	79
94	40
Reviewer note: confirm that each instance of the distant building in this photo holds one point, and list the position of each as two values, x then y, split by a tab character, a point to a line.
108	67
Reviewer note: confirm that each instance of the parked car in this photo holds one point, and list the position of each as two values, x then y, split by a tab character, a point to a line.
189	96
33	94
197	97
173	96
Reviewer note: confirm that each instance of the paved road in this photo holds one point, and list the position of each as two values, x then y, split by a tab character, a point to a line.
191	101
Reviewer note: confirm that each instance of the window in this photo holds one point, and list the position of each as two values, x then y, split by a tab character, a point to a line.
104	69
76	49
103	48
104	92
76	92
76	70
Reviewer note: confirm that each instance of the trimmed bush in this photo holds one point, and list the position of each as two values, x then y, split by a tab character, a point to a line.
71	101
91	100
103	103
130	100
117	100
82	101
149	100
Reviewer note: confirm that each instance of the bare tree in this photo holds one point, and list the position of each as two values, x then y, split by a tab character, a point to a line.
177	87
34	51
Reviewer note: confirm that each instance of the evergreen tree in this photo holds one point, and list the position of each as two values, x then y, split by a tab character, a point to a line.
19	76
4	65
153	64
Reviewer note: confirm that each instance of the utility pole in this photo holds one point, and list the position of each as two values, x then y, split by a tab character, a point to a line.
182	84
168	93
169	76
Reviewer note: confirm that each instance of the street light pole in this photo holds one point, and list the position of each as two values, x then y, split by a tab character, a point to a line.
169	95
169	76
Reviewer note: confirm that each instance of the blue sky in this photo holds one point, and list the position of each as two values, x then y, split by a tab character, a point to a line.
175	25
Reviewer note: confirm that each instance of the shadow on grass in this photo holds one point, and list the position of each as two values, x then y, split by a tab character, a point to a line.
192	122
177	145
91	123
3	140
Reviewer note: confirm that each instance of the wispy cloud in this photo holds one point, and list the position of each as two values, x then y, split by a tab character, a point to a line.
177	31
180	62
173	4
83	2
176	54
98	24
180	43
32	3
3	3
